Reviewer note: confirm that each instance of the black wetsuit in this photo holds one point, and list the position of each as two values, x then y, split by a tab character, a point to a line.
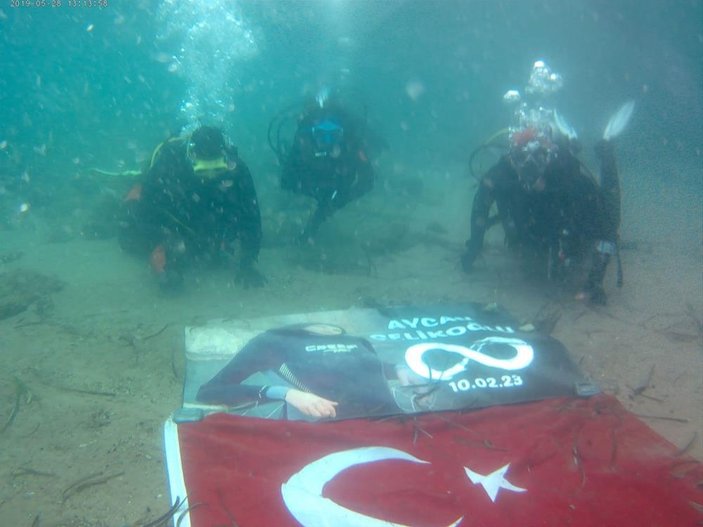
341	368
569	216
335	171
192	217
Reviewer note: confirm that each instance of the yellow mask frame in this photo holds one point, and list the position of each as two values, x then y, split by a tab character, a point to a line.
210	167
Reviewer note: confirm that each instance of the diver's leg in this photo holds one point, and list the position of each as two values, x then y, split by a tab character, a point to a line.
593	288
168	259
605	225
322	211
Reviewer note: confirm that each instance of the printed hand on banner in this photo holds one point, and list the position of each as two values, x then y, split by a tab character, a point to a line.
311	404
407	377
421	390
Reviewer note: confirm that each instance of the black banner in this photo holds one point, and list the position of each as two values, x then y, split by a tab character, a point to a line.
373	363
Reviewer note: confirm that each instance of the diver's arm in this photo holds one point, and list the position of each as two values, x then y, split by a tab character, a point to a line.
153	205
259	354
483	199
250	217
610	188
249	229
480	210
163	181
605	214
293	166
310	404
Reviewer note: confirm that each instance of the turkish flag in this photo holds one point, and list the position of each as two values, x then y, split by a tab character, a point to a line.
566	461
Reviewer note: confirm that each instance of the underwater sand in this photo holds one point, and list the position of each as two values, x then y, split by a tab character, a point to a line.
104	363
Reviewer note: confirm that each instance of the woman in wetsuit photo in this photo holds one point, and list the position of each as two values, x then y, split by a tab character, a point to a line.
319	370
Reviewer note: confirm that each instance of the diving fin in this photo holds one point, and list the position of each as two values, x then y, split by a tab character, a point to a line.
618	121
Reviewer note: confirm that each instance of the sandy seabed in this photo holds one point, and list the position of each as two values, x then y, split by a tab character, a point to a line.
101	367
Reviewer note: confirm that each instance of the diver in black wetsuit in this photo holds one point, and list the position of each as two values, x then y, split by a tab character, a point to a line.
195	201
327	161
549	205
323	372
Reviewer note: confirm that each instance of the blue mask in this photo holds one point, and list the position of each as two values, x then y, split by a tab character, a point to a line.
327	134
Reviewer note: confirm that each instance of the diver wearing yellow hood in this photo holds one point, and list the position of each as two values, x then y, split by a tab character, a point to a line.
195	202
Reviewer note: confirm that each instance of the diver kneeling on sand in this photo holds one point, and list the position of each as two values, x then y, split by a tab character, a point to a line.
548	202
195	201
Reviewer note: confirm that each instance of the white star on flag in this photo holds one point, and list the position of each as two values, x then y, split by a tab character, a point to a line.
493	482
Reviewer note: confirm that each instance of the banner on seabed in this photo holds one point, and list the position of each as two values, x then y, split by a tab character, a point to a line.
373	363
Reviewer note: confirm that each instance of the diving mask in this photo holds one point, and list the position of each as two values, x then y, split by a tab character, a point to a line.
327	135
208	168
530	162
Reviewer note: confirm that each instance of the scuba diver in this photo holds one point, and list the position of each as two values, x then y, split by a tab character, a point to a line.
327	160
195	202
549	204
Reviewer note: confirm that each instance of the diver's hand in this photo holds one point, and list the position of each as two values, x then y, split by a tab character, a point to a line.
593	291
593	295
410	379
248	277
467	259
323	211
311	404
407	377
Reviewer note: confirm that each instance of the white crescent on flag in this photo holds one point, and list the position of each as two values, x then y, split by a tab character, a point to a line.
302	493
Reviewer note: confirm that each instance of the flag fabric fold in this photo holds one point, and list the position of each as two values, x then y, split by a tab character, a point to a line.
557	462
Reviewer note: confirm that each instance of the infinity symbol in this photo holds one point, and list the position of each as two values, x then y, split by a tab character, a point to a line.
524	354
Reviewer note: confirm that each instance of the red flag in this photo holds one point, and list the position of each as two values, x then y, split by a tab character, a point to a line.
575	462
